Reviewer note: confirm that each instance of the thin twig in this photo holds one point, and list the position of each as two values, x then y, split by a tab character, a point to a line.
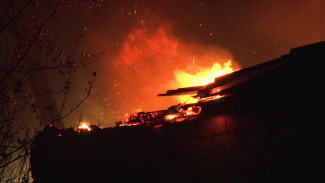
56	66
31	45
76	106
14	17
65	95
18	148
17	158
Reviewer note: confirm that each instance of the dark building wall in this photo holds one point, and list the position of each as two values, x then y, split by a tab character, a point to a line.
269	130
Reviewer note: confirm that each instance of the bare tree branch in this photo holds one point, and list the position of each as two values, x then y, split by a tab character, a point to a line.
91	84
17	83
14	17
18	148
66	87
31	45
13	160
56	66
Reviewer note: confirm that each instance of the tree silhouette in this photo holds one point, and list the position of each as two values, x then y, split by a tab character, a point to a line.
29	58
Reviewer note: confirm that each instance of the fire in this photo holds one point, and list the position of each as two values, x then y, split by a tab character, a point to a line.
84	126
202	76
170	117
191	111
152	60
213	98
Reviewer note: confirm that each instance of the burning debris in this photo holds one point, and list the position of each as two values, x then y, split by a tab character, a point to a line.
254	123
83	129
200	77
206	85
84	126
191	108
180	112
151	60
175	113
192	94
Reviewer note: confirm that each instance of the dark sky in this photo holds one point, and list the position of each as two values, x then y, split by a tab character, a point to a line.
146	41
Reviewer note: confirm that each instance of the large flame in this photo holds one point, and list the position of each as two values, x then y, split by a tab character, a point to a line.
203	76
200	76
152	60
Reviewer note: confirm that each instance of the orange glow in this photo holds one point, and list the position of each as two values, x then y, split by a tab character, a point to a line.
158	126
142	43
152	60
84	126
129	124
170	117
212	98
202	76
191	111
216	90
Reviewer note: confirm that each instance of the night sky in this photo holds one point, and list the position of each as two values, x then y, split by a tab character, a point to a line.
144	42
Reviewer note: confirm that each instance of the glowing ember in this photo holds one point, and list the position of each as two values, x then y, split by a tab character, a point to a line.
212	98
170	117
202	76
158	126
84	126
129	124
191	111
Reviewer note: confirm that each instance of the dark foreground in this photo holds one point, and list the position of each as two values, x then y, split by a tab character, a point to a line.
270	129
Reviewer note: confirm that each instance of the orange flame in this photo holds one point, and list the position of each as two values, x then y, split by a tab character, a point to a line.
202	76
191	111
84	126
152	60
170	117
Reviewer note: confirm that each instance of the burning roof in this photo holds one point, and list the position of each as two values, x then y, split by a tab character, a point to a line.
225	81
270	128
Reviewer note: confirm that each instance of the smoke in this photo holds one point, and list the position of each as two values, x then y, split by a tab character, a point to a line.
146	65
147	41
